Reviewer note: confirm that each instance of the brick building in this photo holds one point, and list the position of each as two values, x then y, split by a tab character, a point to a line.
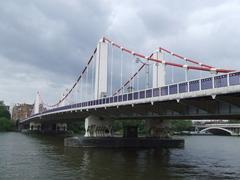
21	111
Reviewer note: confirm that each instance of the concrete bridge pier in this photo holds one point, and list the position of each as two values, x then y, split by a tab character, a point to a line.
54	127
99	134
97	127
47	127
61	127
158	128
34	126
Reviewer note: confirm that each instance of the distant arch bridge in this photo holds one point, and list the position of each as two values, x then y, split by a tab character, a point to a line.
219	129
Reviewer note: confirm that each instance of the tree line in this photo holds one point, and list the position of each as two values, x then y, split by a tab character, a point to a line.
5	123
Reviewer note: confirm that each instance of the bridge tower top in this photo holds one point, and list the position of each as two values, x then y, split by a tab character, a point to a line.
101	69
36	104
159	70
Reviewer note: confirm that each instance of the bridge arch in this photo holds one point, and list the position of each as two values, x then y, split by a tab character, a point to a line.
217	131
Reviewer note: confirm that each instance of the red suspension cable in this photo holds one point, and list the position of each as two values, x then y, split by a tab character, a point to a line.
209	69
74	85
184	58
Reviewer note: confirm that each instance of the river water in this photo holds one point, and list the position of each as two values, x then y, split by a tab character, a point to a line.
40	157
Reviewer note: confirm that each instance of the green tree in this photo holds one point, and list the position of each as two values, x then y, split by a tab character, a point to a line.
77	127
181	125
4	112
5	124
119	124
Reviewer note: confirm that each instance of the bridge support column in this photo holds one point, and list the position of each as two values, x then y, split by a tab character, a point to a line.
61	127
97	127
158	128
159	71
101	70
35	126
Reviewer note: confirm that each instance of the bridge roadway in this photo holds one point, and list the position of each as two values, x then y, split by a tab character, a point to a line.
216	97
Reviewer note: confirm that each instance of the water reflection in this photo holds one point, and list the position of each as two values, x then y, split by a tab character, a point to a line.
117	164
102	163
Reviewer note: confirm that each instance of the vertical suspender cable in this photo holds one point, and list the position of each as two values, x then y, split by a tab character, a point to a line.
121	66
138	81
134	70
93	63
81	91
78	91
86	90
87	84
75	94
145	79
172	75
111	83
186	74
148	76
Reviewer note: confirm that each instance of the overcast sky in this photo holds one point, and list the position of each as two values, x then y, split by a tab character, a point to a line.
44	43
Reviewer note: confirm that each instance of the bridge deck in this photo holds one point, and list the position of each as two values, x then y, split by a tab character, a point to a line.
211	86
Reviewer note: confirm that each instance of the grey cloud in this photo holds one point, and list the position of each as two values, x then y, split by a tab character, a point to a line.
51	36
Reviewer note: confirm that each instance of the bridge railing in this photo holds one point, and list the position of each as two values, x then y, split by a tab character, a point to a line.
217	81
219	125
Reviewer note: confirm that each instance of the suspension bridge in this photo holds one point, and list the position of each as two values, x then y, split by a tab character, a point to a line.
118	83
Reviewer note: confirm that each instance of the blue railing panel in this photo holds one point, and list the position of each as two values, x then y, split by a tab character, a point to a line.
142	94
125	97
164	91
194	85
206	83
120	98
130	96
115	98
135	95
220	81
156	92
107	100
183	87
234	79
149	93
111	99
173	89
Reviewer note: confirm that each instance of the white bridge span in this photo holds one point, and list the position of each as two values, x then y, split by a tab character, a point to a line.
118	83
